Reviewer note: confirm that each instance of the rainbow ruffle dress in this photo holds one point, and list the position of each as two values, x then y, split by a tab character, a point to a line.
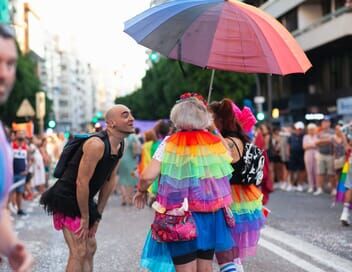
195	165
247	209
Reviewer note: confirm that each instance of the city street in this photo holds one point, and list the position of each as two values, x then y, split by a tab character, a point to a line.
303	234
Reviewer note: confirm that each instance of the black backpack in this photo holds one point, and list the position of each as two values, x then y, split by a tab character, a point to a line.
253	159
71	148
253	164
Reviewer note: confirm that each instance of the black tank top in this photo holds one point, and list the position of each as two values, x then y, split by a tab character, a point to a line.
102	171
238	166
61	197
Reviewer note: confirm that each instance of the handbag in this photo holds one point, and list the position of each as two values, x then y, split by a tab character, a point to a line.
339	162
173	228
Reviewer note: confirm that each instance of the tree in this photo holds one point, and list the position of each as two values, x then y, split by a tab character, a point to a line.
166	80
26	85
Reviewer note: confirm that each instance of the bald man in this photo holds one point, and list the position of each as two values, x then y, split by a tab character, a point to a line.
90	171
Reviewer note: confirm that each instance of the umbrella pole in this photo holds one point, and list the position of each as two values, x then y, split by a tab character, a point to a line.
211	84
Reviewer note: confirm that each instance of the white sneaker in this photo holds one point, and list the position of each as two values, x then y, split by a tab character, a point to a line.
344	218
310	190
283	185
319	191
238	264
289	188
299	188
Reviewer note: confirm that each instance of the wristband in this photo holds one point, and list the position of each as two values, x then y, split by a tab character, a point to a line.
139	188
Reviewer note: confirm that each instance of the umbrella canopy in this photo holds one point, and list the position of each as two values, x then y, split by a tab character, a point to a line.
219	34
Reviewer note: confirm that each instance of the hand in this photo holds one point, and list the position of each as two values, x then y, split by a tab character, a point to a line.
20	259
93	230
83	230
140	199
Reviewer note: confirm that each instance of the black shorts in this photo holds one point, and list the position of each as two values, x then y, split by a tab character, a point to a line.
199	254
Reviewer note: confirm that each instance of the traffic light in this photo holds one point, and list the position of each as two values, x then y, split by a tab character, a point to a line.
260	116
154	57
51	124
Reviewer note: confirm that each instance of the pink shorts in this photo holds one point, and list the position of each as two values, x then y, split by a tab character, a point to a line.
61	221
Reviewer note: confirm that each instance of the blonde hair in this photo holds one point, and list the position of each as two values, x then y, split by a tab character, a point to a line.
311	126
190	114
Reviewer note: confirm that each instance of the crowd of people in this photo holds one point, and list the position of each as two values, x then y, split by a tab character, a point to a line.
207	174
310	158
33	161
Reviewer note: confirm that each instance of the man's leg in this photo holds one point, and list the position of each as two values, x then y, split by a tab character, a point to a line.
91	249
77	252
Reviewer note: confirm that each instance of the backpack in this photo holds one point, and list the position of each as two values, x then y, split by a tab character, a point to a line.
253	164
73	146
254	159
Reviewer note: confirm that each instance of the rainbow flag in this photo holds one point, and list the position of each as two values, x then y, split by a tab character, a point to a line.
341	189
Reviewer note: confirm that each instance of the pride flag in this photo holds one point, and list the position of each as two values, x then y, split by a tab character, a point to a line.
341	189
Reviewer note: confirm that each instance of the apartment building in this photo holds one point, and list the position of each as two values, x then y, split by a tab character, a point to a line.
323	29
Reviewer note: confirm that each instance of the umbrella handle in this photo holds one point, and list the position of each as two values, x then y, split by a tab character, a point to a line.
211	84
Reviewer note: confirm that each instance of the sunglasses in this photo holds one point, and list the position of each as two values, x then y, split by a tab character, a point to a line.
7	31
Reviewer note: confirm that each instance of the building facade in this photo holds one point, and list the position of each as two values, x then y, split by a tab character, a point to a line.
323	29
67	80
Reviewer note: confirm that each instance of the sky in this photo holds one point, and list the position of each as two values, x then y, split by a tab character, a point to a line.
97	27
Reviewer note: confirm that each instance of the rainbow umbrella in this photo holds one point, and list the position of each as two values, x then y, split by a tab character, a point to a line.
219	34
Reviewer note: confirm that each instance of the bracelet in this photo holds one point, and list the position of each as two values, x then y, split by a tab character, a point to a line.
139	188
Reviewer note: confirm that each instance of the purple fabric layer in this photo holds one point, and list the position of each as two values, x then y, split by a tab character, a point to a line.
203	192
246	243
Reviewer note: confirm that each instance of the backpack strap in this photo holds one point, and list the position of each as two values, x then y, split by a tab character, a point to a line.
234	142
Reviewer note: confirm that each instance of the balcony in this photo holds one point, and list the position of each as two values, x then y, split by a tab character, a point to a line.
326	29
278	8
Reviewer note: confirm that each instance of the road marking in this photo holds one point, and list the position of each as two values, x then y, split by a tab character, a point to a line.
289	256
320	255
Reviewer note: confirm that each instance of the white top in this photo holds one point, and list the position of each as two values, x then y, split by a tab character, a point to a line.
159	152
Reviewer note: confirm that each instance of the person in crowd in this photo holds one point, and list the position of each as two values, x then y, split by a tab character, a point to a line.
38	179
247	198
310	153
296	158
325	157
285	134
194	166
127	168
10	246
43	149
340	144
261	139
276	163
21	158
90	171
345	215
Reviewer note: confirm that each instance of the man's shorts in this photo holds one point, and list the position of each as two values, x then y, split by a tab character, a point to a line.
325	165
19	179
296	163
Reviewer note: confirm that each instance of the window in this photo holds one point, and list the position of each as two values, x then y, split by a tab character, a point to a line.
326	6
290	20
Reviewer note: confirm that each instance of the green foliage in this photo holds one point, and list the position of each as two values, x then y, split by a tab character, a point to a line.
164	82
26	85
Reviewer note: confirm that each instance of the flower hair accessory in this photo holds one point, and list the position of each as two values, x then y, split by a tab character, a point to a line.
189	95
245	117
